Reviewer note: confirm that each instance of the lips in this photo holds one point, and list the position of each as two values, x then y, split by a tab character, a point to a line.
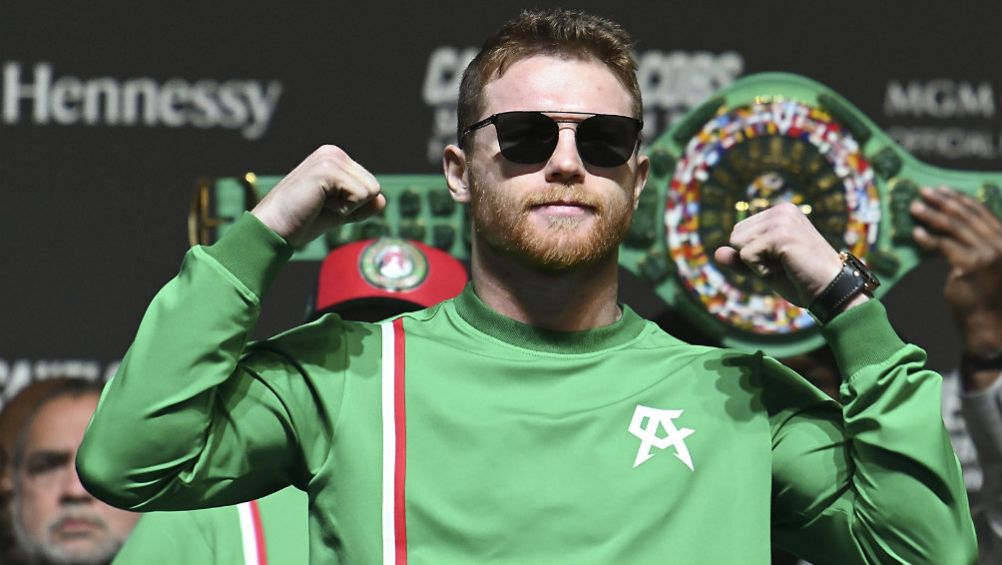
76	526
567	201
564	208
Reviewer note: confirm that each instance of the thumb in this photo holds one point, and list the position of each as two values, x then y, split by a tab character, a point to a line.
369	208
727	256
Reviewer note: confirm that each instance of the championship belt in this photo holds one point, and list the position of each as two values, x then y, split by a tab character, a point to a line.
765	139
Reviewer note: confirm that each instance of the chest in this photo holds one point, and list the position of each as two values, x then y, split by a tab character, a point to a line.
565	459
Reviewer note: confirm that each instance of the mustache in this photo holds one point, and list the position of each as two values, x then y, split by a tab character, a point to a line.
563	193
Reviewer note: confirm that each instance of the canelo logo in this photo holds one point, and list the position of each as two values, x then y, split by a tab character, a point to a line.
649	438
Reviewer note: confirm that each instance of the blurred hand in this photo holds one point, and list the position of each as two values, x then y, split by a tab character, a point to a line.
781	245
970	237
328	188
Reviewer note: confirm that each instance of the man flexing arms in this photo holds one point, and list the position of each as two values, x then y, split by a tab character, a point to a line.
532	419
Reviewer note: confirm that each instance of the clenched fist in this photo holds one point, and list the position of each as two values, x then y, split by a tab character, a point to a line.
327	189
783	247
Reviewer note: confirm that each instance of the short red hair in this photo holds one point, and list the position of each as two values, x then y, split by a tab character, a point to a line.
558	32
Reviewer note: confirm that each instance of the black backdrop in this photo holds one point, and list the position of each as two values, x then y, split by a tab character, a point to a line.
94	213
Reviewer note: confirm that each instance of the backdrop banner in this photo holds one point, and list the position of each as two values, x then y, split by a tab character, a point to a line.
110	115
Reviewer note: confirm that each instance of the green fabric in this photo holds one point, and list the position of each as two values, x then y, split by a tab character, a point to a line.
519	447
213	536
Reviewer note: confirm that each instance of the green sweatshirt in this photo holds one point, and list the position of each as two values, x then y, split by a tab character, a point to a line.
454	435
269	531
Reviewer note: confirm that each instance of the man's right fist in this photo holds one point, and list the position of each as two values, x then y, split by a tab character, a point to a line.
327	189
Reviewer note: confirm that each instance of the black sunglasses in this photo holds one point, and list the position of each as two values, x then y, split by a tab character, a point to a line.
603	140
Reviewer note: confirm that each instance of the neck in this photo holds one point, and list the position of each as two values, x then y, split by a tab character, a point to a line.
577	299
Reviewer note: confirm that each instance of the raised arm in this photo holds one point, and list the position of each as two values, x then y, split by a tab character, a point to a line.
970	238
194	418
872	481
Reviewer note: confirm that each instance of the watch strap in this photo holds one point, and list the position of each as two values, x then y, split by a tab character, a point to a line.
846	284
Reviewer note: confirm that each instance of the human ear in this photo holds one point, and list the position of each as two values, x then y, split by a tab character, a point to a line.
456	173
640	180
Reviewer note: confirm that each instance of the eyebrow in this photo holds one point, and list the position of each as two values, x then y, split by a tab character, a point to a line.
45	460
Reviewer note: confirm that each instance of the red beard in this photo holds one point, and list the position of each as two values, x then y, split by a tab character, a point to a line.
504	224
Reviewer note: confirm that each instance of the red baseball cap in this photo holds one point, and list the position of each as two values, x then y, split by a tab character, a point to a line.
388	268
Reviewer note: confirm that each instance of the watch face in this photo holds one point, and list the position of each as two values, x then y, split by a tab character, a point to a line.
870	281
744	160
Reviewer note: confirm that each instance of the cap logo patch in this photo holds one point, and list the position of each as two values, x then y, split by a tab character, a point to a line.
393	265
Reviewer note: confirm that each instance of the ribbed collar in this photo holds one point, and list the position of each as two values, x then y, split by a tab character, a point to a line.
479	315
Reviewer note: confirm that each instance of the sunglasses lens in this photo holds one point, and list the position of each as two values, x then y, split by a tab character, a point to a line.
607	141
526	137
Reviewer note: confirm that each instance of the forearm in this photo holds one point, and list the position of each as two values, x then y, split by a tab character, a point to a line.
982	411
151	429
981	362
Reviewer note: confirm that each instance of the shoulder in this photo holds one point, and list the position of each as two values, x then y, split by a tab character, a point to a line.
753	373
314	343
709	358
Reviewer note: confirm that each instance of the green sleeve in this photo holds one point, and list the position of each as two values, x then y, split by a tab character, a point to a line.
876	479
193	418
176	538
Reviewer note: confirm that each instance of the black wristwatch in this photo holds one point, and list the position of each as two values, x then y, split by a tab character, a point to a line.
853	279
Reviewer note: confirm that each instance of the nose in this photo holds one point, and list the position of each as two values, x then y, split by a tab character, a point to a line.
72	490
565	165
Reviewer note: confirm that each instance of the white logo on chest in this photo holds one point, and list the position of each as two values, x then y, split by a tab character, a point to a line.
649	434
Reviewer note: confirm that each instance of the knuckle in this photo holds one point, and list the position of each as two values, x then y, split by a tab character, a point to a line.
955	205
331	154
788	210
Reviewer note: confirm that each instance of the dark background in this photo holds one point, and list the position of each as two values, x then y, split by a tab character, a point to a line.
94	216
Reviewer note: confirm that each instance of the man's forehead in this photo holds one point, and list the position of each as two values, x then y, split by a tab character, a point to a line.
60	422
548	82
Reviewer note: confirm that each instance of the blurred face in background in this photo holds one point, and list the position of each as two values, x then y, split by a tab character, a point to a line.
55	519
